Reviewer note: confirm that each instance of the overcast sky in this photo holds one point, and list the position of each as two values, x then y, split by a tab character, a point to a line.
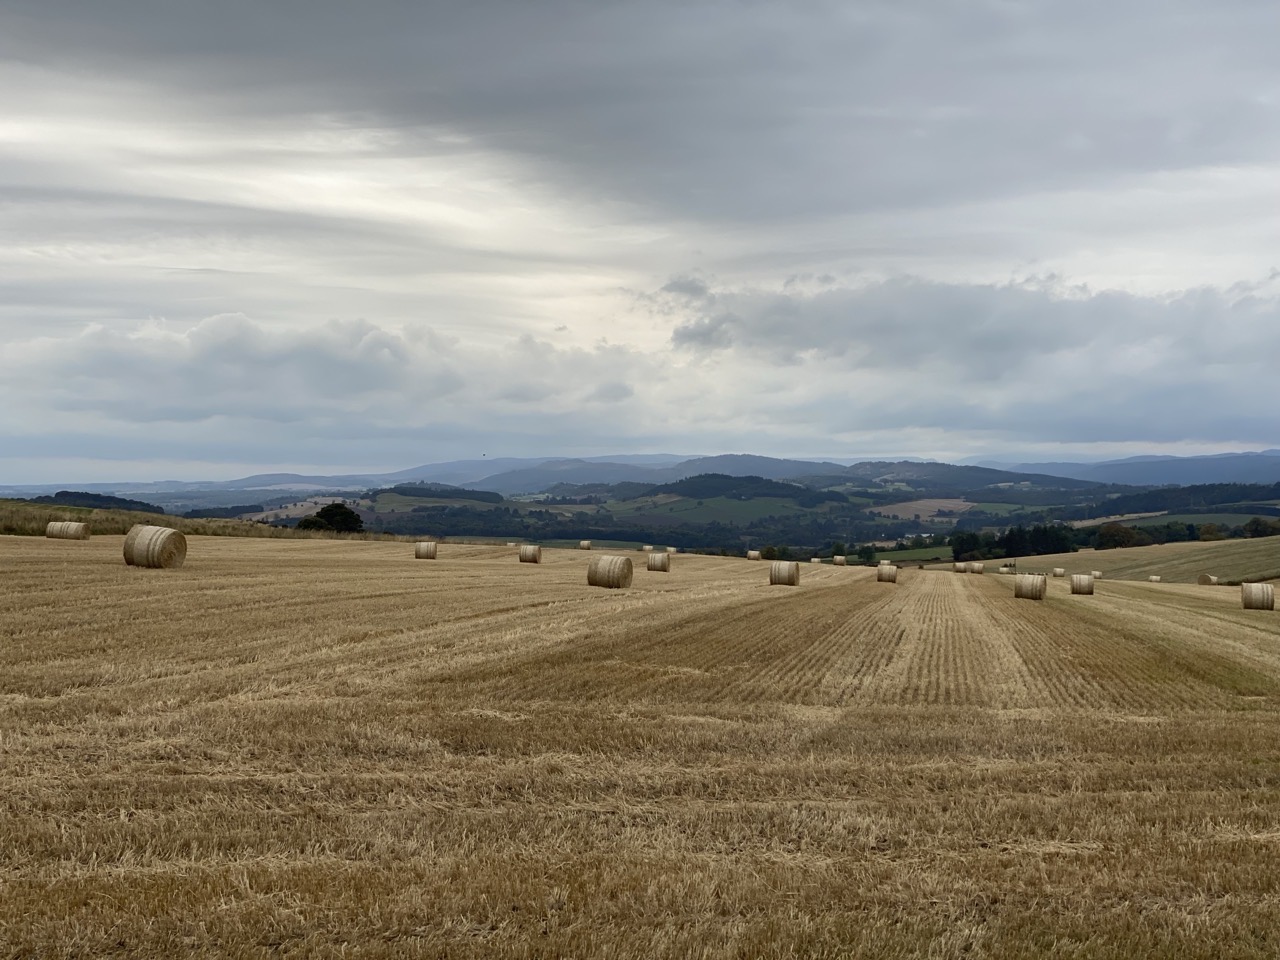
327	236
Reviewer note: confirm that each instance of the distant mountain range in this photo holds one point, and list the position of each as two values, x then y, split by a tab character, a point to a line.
514	475
1262	467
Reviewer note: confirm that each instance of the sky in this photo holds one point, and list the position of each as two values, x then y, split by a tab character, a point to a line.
336	237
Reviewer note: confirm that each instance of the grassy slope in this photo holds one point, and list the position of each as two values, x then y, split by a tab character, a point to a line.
1173	562
294	749
18	518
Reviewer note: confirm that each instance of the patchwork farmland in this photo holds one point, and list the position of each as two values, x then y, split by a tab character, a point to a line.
329	748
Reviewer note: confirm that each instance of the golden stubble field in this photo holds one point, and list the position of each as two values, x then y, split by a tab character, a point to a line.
329	749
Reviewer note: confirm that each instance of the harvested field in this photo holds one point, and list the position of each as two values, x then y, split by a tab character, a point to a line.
1172	562
324	748
926	509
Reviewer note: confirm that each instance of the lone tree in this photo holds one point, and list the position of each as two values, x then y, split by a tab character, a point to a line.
334	516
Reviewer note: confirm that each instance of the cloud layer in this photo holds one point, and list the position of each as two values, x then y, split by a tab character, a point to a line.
358	237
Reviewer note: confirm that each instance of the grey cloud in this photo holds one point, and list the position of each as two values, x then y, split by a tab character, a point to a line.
736	112
611	392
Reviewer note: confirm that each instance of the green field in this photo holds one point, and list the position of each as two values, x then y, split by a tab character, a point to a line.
1199	519
710	510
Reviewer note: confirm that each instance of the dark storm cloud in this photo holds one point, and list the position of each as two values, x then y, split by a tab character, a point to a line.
723	109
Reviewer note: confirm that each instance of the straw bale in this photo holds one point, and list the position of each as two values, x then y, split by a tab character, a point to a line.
1207	580
584	544
753	554
1030	586
659	562
840	561
1082	584
887	574
530	553
67	530
425	550
1258	596
609	571
784	572
1059	571
158	547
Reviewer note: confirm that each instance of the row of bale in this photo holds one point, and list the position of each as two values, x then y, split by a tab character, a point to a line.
614	571
146	545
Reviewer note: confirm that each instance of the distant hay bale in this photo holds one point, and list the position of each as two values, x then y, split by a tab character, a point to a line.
840	561
530	553
511	543
1004	570
1258	596
1082	584
1207	580
1030	586
67	530
959	568
976	566
1153	579
1059	571
673	549
609	571
753	554
785	573
885	563
647	547
584	544
1096	574
815	559
887	574
425	550
659	562
157	547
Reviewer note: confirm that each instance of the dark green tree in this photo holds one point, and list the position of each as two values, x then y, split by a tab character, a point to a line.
335	516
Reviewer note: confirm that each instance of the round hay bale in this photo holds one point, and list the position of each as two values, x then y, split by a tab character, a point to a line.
156	547
426	550
887	574
67	530
840	561
753	554
976	566
885	563
1030	586
584	544
815	559
959	568
1207	580
1153	579
1082	584
673	549
609	571
1059	571
659	562
647	547
511	543
530	553
1096	574
1004	570
1258	596
785	573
